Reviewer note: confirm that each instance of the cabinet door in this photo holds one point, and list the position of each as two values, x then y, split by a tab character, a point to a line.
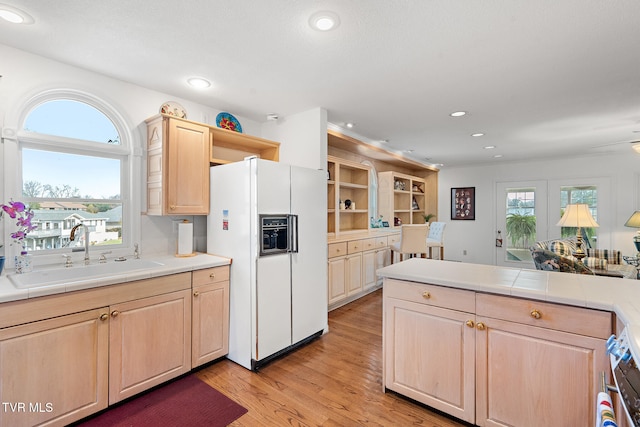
337	279
530	376
210	337
354	273
149	343
429	356
55	370
187	179
369	265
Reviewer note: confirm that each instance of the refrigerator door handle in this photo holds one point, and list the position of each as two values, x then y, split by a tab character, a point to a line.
293	233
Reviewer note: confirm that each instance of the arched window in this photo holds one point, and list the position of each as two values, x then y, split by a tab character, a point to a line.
74	156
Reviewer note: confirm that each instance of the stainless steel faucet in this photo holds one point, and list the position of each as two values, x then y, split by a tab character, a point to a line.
72	236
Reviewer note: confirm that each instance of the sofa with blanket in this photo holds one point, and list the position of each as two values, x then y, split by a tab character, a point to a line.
556	255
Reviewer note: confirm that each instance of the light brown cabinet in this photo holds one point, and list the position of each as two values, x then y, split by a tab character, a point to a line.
401	196
71	355
149	343
210	327
177	166
347	196
493	360
54	370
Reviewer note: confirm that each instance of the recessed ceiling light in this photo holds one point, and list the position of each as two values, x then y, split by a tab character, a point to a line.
458	113
349	125
477	134
489	147
198	82
408	151
15	15
324	21
497	156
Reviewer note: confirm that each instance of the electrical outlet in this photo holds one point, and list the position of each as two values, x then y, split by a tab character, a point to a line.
464	252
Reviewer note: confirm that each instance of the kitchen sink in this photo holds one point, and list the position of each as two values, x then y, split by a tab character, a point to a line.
80	273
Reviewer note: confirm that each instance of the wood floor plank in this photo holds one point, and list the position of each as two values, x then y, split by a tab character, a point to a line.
336	380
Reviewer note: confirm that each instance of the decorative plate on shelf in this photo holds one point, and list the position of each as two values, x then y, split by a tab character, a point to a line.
227	121
172	108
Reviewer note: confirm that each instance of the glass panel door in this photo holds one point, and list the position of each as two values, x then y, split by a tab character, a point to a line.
521	218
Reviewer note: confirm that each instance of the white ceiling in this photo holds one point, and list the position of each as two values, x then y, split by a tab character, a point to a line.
539	77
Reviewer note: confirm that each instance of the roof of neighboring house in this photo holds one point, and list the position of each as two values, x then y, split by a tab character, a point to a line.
62	205
60	215
114	215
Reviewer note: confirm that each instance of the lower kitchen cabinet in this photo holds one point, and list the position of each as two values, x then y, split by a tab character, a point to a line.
149	343
54	370
493	360
210	333
553	353
429	346
64	357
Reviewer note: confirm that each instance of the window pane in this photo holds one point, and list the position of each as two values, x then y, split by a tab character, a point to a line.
520	222
60	175
587	195
72	119
56	220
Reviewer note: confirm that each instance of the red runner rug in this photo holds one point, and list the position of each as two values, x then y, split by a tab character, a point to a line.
184	402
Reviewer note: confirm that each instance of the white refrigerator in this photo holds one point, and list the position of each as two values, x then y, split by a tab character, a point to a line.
278	285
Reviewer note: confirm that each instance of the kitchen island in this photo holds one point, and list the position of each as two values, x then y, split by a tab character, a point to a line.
502	346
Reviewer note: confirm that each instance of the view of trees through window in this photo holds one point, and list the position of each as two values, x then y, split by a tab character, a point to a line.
79	185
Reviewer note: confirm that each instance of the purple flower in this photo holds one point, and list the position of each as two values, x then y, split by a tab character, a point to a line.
24	216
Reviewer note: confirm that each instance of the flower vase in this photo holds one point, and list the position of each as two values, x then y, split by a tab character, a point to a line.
23	263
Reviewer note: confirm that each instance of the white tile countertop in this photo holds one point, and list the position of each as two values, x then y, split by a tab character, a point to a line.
621	296
162	265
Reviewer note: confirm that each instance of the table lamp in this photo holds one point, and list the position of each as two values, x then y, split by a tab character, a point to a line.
634	222
578	215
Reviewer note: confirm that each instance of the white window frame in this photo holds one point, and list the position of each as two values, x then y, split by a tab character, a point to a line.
15	139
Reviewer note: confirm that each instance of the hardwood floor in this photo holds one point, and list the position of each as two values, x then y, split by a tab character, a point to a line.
335	380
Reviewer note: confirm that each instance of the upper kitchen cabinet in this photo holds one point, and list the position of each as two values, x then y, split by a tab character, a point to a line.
179	154
177	166
228	146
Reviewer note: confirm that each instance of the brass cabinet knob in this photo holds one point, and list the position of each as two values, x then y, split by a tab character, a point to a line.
115	313
104	316
535	314
212	275
426	295
196	293
470	323
172	207
481	326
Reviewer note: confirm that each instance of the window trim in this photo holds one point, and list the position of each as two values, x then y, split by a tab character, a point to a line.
16	139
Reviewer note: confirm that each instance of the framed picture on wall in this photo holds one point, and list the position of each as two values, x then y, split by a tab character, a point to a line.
463	203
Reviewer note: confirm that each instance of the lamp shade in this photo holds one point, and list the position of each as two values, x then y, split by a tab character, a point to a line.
634	220
577	215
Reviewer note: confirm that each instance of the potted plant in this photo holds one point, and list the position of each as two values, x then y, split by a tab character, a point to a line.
427	217
521	228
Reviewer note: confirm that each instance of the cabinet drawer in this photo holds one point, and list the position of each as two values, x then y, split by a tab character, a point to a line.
577	320
368	244
355	246
439	296
210	275
381	242
337	249
394	238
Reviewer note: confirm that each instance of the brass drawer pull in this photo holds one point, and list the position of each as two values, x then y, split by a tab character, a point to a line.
426	295
115	313
470	323
535	314
196	293
104	316
212	275
481	326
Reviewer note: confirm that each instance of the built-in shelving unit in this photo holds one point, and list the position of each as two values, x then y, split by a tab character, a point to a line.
227	146
401	198
348	196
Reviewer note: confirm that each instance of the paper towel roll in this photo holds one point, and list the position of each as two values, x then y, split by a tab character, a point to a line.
185	238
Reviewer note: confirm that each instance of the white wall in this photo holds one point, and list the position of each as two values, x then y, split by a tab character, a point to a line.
621	171
24	75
